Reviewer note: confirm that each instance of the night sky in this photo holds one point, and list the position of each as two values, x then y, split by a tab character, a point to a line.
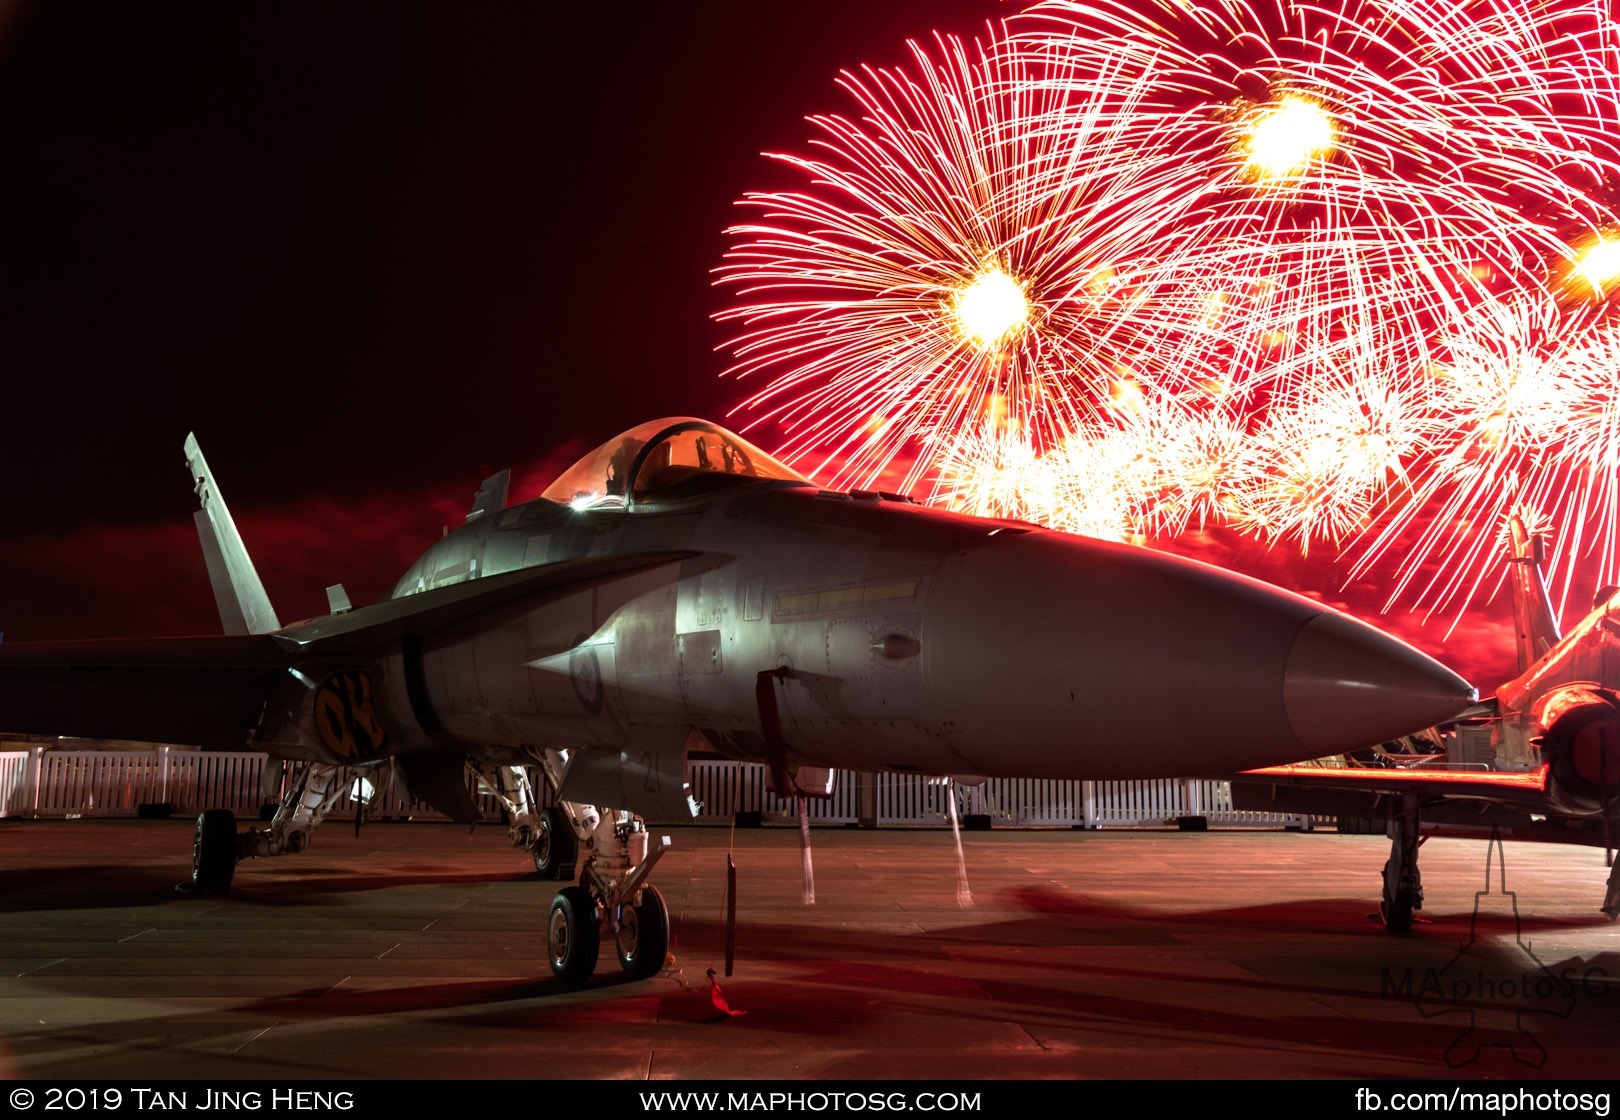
372	253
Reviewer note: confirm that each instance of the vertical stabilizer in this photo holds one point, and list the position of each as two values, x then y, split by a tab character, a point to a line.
491	496
244	608
1533	620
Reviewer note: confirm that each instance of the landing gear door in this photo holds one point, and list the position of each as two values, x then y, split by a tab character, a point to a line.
647	777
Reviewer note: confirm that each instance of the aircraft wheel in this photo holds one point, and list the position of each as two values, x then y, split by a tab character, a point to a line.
643	939
213	853
555	847
1397	912
572	936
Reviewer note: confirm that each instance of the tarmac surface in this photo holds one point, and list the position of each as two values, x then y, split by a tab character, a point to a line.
417	950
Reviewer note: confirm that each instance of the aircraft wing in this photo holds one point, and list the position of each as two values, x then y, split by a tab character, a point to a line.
206	691
211	691
1448	796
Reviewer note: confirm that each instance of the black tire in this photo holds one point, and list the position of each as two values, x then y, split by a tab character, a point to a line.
1397	912
555	848
213	855
643	940
572	936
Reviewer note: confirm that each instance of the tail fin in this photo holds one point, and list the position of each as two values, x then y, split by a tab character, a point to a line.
1533	618
491	496
244	608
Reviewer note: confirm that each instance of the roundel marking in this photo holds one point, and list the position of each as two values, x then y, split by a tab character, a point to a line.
585	672
346	715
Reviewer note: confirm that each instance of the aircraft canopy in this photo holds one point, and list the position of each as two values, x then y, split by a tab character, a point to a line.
666	460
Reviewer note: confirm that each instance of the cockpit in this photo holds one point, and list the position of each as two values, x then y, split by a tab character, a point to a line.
666	460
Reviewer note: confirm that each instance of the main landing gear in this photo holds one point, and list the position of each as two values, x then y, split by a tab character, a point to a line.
1403	886
548	834
556	848
305	802
213	853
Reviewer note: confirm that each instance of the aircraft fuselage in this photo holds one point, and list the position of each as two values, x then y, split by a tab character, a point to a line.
912	639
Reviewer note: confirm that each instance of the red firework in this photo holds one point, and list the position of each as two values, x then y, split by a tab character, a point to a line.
1308	242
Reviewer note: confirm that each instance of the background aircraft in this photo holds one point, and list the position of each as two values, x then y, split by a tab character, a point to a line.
1541	760
678	588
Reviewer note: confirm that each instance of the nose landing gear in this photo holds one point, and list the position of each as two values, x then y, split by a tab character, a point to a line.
573	935
643	940
612	894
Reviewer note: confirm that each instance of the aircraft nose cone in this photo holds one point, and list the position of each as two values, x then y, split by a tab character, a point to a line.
1346	682
1059	656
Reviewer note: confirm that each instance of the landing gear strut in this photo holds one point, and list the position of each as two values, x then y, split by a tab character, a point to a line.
1403	886
512	787
549	834
305	802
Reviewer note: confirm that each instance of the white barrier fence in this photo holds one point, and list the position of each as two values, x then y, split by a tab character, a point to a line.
66	784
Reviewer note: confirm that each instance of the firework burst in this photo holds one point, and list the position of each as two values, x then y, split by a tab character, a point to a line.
1388	163
1321	272
1529	409
1152	467
993	470
1580	489
957	256
1504	401
1449	130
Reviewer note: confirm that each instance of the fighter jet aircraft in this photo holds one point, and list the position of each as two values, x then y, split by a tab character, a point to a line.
679	588
1539	760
